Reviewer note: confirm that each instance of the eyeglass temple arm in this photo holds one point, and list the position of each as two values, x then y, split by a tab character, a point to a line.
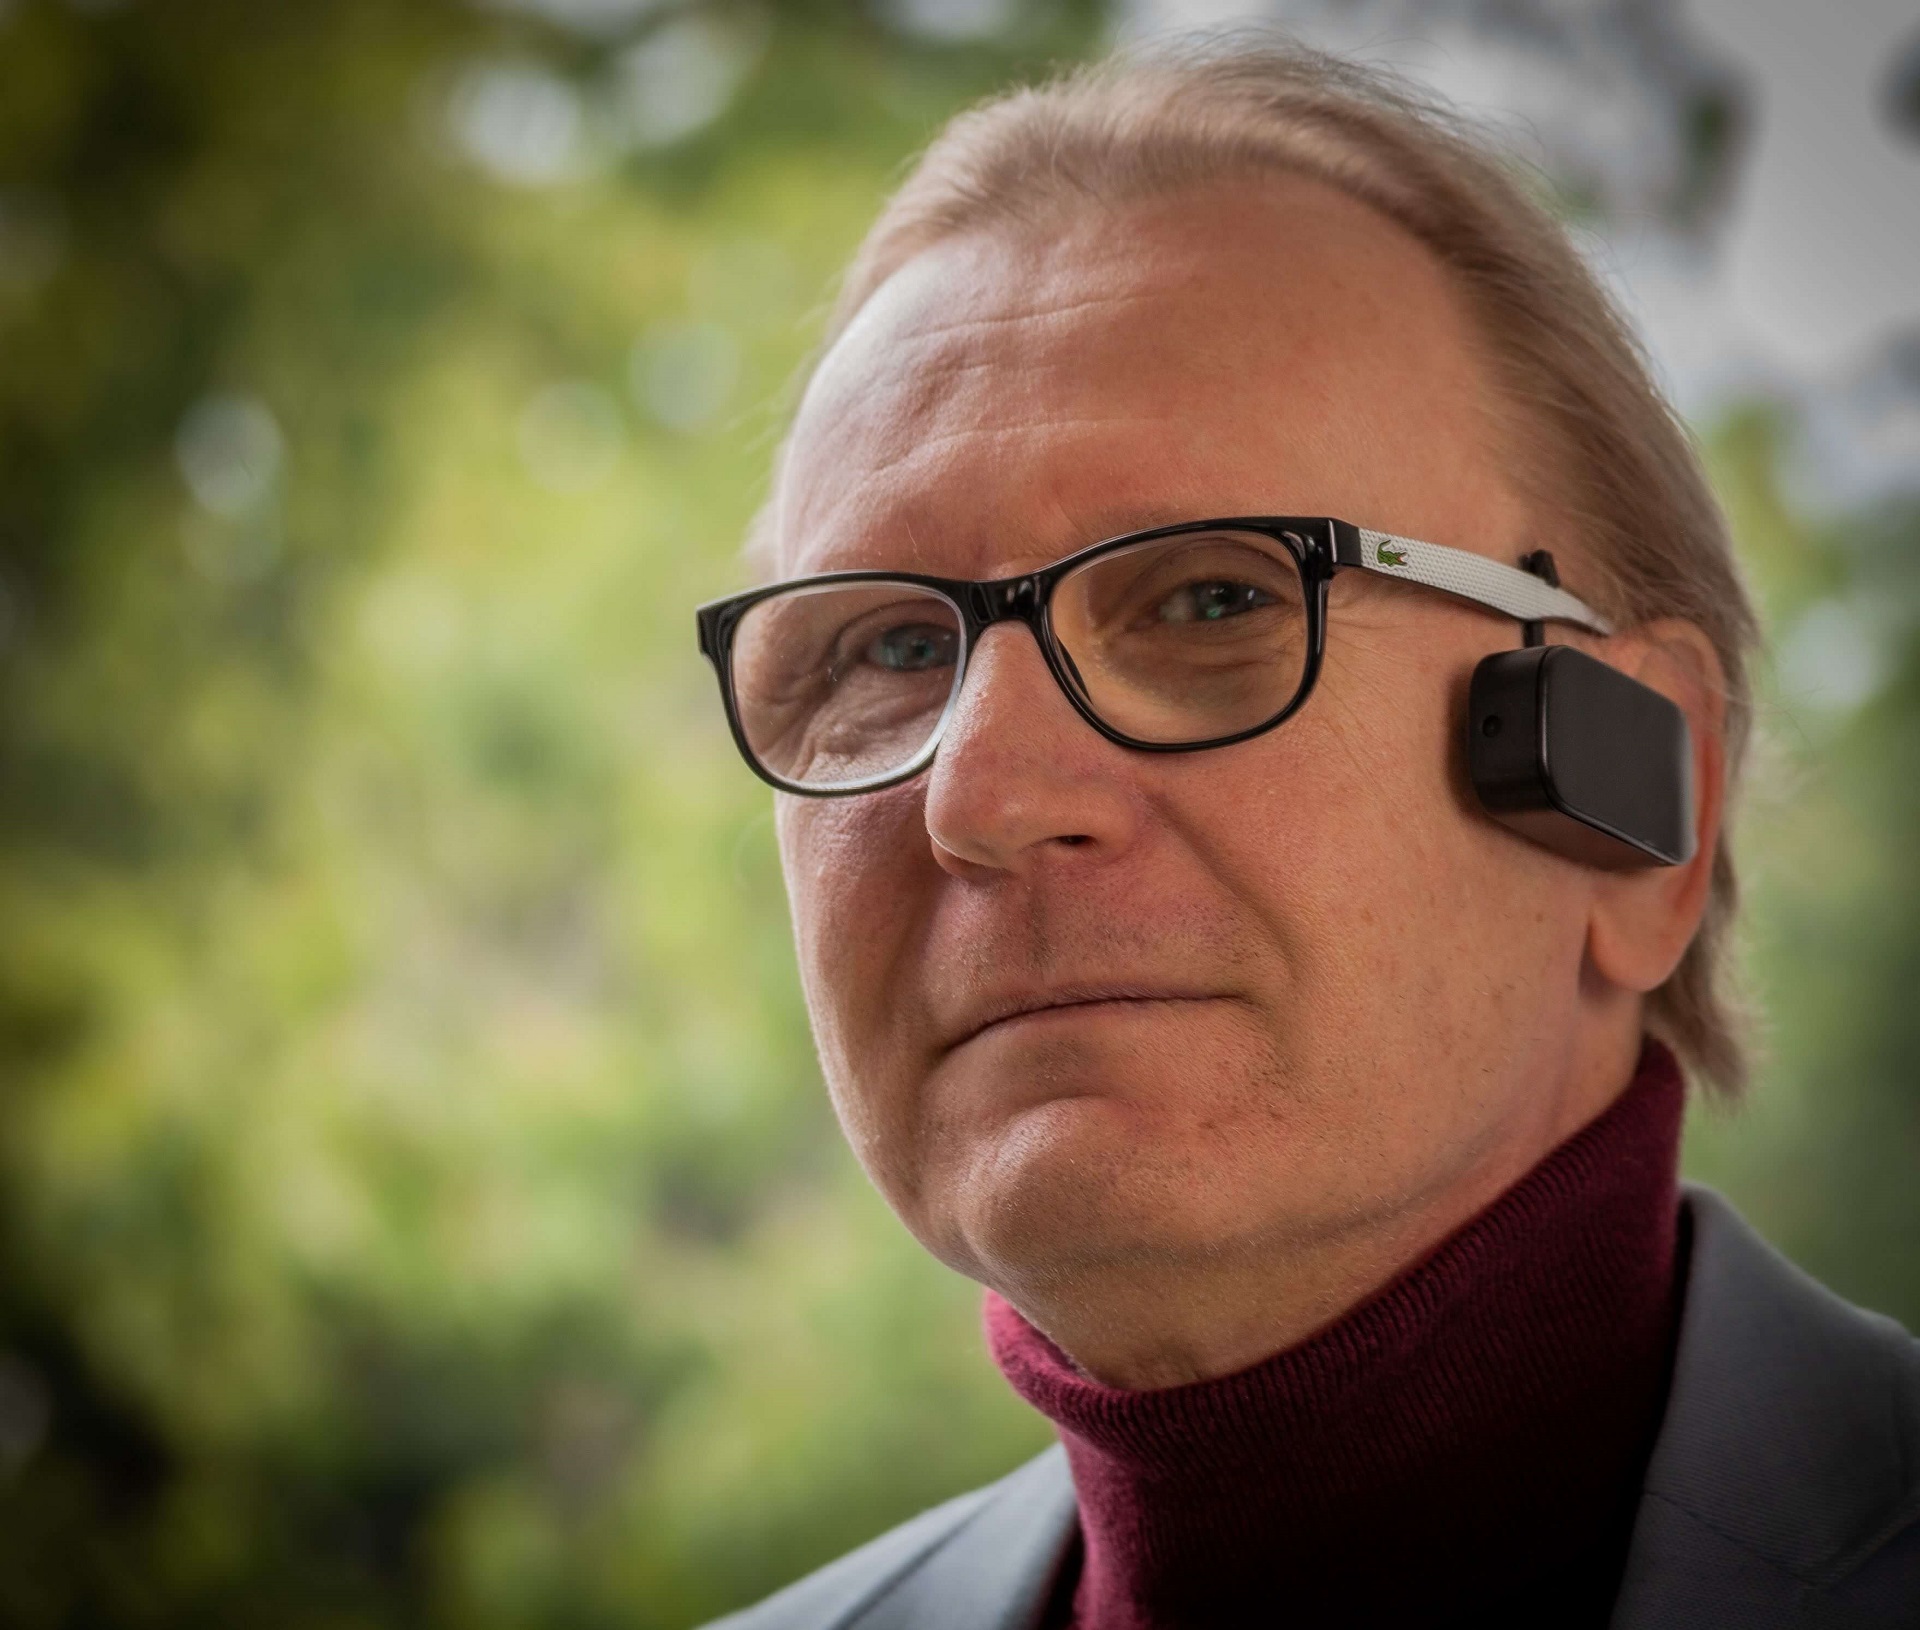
1478	578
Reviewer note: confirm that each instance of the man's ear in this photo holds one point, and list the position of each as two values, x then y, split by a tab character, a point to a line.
1642	921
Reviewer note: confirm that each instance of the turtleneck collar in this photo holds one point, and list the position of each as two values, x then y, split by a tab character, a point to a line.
1465	1445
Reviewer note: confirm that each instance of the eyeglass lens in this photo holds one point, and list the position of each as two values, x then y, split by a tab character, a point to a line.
1177	641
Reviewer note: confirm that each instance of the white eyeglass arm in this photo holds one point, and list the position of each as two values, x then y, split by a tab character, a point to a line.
1472	577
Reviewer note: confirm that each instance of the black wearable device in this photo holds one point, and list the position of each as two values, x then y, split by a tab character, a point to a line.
1578	757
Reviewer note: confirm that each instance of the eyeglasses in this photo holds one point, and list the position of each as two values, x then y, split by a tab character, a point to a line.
1170	640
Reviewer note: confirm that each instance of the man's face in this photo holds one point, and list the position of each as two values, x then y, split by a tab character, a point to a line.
1260	995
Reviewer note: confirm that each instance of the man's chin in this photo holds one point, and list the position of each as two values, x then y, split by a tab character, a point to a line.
1078	1184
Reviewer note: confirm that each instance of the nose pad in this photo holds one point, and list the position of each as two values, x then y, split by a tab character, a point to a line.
1073	669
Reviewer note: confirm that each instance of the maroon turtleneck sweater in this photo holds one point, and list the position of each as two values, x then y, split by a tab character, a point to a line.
1465	1447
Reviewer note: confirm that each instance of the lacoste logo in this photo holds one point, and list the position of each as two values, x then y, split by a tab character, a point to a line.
1390	557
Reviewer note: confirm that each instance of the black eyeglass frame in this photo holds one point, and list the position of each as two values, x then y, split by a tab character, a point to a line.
1320	547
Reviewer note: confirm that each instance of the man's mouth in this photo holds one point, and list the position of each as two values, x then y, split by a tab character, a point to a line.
1066	1002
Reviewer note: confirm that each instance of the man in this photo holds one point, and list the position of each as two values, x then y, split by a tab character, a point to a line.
1176	970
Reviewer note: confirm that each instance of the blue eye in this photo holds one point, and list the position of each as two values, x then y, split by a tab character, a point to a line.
1210	602
913	648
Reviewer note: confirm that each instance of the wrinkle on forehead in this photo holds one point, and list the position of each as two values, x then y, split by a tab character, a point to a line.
1040	311
930	445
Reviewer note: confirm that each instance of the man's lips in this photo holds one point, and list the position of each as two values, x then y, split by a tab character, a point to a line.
1013	1006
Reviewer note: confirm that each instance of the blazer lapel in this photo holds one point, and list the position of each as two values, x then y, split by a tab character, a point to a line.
1783	1461
996	1572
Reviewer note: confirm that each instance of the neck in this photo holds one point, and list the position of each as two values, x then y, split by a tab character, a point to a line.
1166	1320
1467	1446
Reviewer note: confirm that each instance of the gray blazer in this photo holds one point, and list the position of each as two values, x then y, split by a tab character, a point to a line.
1784	1488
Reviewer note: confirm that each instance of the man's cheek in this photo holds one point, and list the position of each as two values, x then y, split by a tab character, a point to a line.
852	876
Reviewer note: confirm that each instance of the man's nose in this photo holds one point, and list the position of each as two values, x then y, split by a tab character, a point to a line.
1020	777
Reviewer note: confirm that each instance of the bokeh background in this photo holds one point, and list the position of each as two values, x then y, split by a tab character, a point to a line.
418	1205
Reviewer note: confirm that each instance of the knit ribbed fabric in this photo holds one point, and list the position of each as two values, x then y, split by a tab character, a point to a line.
1465	1447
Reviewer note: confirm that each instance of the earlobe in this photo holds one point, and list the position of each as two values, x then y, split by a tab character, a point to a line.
1641	922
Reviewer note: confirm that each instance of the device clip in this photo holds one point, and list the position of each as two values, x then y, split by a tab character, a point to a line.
1540	563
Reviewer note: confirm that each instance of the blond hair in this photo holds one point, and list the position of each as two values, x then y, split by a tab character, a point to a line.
1609	460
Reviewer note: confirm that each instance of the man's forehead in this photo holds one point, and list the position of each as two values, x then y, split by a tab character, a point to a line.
985	302
993	335
1129	368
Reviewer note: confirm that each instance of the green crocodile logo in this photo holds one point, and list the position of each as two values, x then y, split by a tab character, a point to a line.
1390	557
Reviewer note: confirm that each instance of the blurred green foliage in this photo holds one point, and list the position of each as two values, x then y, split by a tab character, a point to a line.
419	1203
1825	1156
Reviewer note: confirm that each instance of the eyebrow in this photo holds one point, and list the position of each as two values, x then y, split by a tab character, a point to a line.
1113	521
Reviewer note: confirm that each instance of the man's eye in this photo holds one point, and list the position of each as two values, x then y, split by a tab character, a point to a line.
912	648
1209	602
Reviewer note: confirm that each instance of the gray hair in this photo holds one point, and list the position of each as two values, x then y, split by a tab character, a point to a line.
1603	452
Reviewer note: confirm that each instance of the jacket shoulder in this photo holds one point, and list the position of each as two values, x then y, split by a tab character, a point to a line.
1785	1485
845	1591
